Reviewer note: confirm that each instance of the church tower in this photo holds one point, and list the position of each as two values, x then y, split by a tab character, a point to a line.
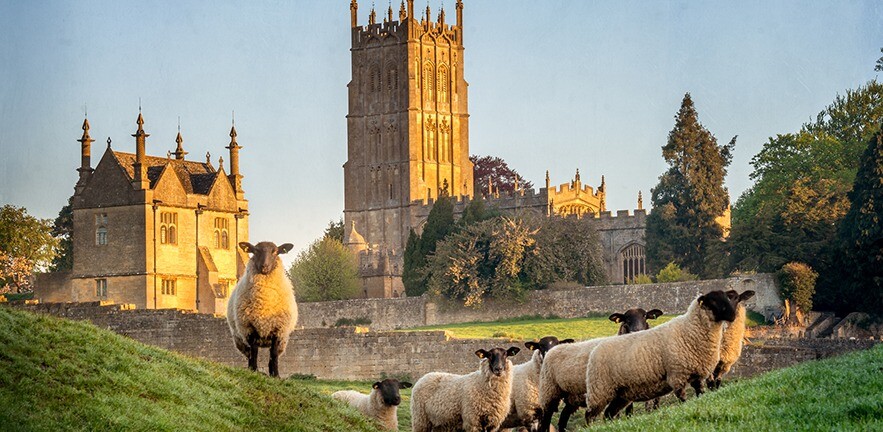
407	127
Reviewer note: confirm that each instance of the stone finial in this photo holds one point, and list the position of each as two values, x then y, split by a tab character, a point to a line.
354	12
108	142
389	13
576	178
403	14
372	17
441	15
179	151
220	161
640	201
548	180
208	158
603	184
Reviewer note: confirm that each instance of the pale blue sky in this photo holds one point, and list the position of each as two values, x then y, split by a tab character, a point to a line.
554	85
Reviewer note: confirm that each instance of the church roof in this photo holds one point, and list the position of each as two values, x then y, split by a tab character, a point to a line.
197	177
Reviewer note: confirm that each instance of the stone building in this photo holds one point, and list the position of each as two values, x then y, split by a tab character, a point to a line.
408	142
156	232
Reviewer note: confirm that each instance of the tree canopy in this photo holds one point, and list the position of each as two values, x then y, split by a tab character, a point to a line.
26	244
326	270
690	197
496	171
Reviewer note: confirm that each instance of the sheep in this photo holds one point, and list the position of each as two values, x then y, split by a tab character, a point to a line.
478	401
262	311
649	364
381	404
731	342
562	375
526	410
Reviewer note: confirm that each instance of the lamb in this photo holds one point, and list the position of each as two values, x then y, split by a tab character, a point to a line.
563	375
381	404
731	342
649	364
526	410
261	311
478	401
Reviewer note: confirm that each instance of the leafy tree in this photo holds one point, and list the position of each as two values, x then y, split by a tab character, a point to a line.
673	273
797	284
498	172
483	260
476	211
335	230
25	245
439	224
879	66
689	197
861	233
63	230
326	270
567	250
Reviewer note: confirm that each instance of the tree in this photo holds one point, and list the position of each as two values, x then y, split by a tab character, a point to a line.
335	230
483	260
879	66
674	273
797	284
861	233
568	249
325	271
439	224
498	172
63	231
476	211
25	245
689	197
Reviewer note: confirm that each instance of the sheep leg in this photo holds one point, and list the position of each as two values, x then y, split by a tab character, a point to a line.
651	405
696	383
629	409
565	415
548	411
616	405
253	351
274	356
681	393
593	411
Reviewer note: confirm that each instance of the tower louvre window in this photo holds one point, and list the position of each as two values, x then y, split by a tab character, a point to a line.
442	83
428	80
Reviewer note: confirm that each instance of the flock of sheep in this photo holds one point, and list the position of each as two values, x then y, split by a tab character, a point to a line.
608	374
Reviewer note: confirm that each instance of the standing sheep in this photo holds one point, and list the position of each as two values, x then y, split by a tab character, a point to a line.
381	404
476	402
262	311
649	364
563	374
526	410
731	342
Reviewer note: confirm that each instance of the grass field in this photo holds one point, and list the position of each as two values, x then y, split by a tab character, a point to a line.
62	375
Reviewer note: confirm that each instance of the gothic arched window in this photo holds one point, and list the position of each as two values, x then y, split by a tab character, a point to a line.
633	260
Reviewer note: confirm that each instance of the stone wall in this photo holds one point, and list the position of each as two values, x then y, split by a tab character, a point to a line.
347	353
671	298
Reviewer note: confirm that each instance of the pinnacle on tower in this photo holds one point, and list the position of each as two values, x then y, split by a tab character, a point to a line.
179	151
389	12
85	168
140	181
441	15
640	201
548	182
460	13
354	13
372	17
403	14
234	176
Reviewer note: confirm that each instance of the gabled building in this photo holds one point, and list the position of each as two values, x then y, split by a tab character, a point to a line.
156	232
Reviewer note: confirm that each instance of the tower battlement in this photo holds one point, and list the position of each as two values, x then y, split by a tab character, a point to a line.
410	24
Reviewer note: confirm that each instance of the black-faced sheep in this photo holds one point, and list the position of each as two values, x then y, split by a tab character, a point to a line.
649	364
526	410
731	342
381	404
563	374
475	402
262	311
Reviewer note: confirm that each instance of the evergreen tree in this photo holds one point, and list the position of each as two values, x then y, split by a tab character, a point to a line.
63	230
689	196
335	230
439	224
861	233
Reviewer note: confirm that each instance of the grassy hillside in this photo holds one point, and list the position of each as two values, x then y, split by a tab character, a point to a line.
63	375
843	393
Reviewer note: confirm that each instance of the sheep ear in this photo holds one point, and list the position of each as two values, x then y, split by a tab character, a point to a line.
246	246
746	295
701	300
617	317
531	345
404	385
376	385
653	314
512	351
566	341
284	248
481	353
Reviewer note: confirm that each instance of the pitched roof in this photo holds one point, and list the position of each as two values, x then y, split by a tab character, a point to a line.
197	177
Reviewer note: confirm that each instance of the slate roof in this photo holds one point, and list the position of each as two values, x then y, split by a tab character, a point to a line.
197	177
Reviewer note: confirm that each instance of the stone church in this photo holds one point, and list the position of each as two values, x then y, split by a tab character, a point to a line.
408	140
156	232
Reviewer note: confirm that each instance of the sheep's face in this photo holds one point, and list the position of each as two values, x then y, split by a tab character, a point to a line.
545	344
389	390
264	255
497	359
719	304
634	320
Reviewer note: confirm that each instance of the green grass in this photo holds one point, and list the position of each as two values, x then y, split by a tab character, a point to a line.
63	375
533	327
530	328
843	393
